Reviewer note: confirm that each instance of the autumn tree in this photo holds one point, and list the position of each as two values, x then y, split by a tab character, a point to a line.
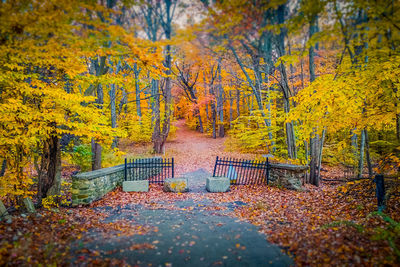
41	91
351	97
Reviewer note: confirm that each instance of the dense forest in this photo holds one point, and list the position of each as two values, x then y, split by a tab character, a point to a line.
313	83
286	79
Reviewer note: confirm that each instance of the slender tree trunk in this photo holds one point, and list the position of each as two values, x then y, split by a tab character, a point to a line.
398	127
197	114
370	174
137	92
96	147
256	87
124	101
321	147
354	148
311	52
113	105
168	102
230	109
220	103
268	107
207	115
56	188
237	103
3	168
156	118
290	136
100	68
302	73
314	154
206	106
361	158
159	144
306	151
113	113
96	155
214	119
314	179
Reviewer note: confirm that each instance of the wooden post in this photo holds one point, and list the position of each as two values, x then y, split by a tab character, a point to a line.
380	191
126	169
215	167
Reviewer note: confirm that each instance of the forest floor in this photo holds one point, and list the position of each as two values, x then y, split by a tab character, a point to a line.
334	224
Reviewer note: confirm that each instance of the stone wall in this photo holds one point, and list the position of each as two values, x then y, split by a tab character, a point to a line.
287	175
90	186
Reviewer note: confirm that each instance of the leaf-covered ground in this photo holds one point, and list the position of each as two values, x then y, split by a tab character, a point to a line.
335	224
191	150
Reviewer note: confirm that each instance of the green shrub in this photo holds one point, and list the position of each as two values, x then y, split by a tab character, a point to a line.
81	155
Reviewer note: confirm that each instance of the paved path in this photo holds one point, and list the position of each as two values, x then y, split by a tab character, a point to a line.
190	233
197	180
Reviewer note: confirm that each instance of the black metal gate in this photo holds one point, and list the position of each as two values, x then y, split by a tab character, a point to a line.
156	170
241	171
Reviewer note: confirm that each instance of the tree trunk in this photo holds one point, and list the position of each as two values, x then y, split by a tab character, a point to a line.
156	118
3	168
214	119
49	178
361	158
398	127
96	147
268	107
113	105
354	149
56	188
370	174
256	87
321	147
290	135
314	179
220	103
311	53
197	114
314	155
124	101
100	68
238	103
230	109
207	116
167	26
113	113
168	102
96	155
137	92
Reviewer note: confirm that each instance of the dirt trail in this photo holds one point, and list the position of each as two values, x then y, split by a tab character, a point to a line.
193	150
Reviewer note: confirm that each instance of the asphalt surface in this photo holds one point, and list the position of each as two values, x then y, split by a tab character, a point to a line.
190	233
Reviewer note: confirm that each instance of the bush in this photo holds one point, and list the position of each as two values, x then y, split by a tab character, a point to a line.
81	155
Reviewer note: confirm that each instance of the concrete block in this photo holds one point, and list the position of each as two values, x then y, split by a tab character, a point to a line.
29	205
136	186
176	185
4	216
217	184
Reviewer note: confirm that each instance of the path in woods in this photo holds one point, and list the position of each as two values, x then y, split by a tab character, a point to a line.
191	231
193	150
188	232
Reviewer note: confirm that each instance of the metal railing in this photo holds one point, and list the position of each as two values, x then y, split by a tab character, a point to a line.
156	170
241	172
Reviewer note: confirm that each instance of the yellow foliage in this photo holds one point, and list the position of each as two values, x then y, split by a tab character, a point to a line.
42	73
